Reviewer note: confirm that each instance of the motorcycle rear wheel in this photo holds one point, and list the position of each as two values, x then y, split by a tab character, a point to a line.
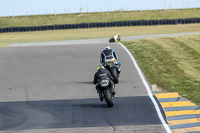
115	75
108	98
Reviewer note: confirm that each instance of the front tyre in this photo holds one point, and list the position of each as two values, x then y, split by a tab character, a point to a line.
108	98
115	75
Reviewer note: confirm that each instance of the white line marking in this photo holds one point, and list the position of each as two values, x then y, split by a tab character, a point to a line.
148	90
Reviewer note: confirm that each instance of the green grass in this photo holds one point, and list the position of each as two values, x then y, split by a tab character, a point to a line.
172	63
97	17
54	35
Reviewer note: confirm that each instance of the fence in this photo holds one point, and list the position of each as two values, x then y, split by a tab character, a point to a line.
103	24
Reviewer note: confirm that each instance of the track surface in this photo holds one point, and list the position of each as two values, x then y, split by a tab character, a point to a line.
98	40
49	89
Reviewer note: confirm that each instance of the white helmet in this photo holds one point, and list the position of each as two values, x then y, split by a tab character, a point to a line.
107	47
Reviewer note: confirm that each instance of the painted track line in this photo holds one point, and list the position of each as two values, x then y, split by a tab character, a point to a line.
148	89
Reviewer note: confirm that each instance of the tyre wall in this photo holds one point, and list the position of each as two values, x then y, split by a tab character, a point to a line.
103	24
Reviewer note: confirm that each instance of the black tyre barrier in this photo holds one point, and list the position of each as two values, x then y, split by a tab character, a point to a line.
100	25
121	23
108	24
86	25
56	27
142	22
198	20
92	25
111	24
103	24
71	26
66	26
175	21
125	23
161	22
4	30
80	26
133	23
118	23
97	25
60	27
30	29
43	27
183	21
129	23
179	21
194	20
114	24
63	27
156	22
148	22
83	25
151	22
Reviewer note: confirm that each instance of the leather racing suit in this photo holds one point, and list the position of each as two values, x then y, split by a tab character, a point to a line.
103	74
109	54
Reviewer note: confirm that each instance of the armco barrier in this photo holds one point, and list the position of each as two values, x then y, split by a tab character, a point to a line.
103	24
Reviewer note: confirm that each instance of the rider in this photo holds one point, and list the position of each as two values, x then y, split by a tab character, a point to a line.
108	53
103	74
117	37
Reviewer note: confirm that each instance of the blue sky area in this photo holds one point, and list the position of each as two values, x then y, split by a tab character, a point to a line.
34	7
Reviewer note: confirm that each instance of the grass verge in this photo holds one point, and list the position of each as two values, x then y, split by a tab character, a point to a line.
172	63
55	35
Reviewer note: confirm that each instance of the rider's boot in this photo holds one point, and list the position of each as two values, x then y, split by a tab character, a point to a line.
118	67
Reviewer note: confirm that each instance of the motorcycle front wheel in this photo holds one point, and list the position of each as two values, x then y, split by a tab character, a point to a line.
108	97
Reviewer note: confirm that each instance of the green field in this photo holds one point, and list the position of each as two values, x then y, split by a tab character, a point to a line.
97	17
55	35
172	63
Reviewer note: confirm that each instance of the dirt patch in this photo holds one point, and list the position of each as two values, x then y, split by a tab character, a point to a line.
156	88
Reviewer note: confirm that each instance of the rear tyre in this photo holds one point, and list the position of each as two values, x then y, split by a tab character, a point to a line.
115	75
108	98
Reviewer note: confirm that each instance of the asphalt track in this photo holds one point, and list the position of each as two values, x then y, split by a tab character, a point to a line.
49	89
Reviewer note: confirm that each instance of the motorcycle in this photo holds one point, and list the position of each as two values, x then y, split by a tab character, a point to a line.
115	38
105	92
114	69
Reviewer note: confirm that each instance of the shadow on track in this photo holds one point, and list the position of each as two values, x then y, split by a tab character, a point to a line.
73	113
85	82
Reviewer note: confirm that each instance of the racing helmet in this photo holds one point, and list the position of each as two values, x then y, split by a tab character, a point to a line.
100	67
106	47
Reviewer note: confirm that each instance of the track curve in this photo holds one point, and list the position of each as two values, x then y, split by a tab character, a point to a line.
49	89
